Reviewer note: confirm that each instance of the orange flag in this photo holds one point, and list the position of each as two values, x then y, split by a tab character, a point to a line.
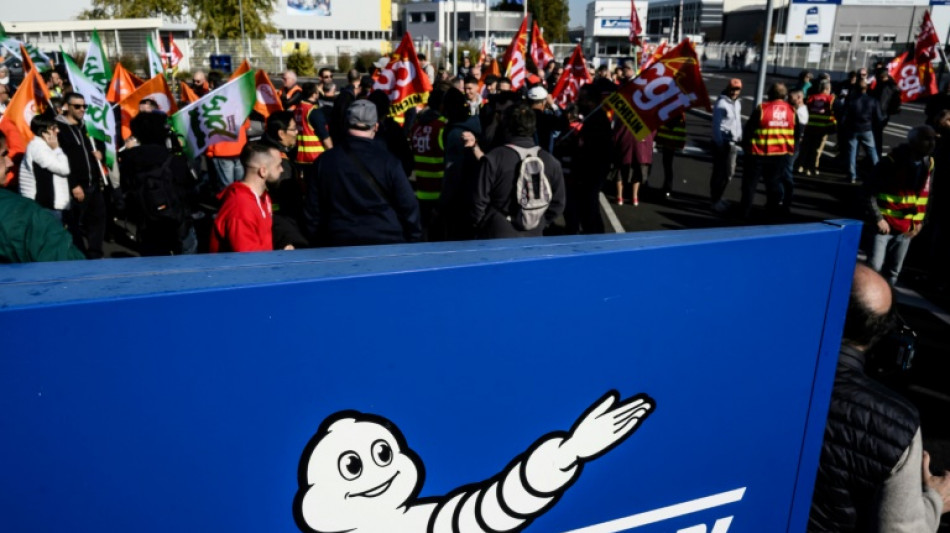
122	85
245	66
667	88
267	100
154	89
187	93
27	60
30	99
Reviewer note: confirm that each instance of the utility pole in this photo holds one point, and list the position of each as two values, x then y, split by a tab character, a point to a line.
241	14
455	36
764	55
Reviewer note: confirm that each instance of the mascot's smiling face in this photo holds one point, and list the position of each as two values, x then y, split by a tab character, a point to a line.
357	469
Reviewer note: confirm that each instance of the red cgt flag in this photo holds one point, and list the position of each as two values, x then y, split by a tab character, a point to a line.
927	40
914	80
670	86
635	27
572	79
659	52
514	63
540	51
401	79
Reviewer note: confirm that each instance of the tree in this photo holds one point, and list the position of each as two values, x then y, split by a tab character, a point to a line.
213	18
301	62
552	16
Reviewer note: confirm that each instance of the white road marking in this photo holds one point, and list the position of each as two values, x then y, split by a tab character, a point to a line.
664	513
611	216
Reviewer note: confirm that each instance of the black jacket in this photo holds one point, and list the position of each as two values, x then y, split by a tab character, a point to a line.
78	147
343	207
869	427
861	113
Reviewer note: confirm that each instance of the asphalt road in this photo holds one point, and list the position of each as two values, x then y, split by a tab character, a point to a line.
827	196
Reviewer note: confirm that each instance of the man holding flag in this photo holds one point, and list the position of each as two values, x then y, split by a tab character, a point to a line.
86	180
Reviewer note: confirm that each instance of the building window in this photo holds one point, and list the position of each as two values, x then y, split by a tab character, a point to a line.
319	34
844	38
336	34
311	35
429	16
415	17
889	38
870	38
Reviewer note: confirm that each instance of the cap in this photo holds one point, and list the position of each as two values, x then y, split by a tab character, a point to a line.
735	83
537	93
628	63
361	115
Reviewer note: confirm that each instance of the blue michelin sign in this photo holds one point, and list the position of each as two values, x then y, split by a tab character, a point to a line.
615	23
504	386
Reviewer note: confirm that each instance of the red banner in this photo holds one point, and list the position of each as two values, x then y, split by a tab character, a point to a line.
670	86
514	63
927	41
540	51
401	79
659	52
912	79
635	27
174	54
572	79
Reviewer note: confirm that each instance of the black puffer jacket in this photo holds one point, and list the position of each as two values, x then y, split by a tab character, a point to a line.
869	427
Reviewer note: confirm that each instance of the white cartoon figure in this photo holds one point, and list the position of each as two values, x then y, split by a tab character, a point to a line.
357	474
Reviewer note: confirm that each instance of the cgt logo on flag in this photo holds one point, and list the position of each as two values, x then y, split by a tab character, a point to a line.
400	79
670	86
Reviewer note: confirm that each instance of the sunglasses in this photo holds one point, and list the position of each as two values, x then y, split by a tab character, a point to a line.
78	106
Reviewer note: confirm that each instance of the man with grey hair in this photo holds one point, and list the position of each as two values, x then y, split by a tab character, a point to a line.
358	193
897	195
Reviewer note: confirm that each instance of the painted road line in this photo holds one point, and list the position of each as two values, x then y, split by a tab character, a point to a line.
611	216
664	513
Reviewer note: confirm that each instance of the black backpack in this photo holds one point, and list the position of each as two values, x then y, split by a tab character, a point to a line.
158	197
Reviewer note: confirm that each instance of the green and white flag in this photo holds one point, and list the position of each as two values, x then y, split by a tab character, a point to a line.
40	60
217	116
96	66
155	64
100	120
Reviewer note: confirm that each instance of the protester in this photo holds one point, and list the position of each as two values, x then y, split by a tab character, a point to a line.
313	135
497	210
671	138
199	83
87	216
158	188
821	123
427	142
44	173
4	98
28	232
357	193
290	93
589	151
280	133
726	136
769	142
897	194
796	99
874	474
888	96
244	222
858	120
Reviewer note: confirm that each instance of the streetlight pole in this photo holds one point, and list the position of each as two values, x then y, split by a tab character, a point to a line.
455	36
764	56
243	40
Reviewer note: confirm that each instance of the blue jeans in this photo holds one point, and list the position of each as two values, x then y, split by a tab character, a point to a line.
887	255
228	170
867	140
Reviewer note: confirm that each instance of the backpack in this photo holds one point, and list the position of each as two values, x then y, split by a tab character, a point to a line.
532	189
157	195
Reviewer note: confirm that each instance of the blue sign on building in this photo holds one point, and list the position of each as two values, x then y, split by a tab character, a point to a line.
615	23
658	382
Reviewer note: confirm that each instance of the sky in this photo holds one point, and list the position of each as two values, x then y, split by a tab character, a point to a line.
67	9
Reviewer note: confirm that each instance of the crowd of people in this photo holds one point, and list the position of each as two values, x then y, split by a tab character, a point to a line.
478	160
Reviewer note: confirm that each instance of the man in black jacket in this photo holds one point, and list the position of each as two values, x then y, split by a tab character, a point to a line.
86	178
358	193
495	209
860	116
888	97
874	474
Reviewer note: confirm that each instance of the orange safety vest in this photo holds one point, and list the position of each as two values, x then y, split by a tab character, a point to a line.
428	152
309	147
231	148
821	117
285	95
901	205
775	134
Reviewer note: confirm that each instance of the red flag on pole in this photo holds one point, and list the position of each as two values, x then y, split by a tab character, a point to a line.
572	79
515	63
927	40
540	51
659	52
670	86
914	80
174	53
401	79
635	27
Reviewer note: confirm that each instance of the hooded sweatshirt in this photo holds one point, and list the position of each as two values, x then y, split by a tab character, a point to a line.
244	222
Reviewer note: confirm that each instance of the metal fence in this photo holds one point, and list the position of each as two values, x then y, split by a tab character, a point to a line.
825	57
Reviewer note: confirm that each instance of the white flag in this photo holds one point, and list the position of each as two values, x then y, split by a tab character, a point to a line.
217	116
100	120
96	65
155	64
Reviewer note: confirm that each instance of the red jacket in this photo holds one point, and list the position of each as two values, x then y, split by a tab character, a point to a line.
244	222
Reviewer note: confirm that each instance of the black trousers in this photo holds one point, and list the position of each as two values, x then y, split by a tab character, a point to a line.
87	223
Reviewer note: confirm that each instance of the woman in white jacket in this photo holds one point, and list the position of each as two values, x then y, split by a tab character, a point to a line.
44	171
